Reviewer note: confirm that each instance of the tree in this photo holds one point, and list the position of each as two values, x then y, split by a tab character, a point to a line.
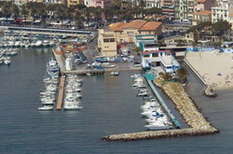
137	50
165	76
8	9
220	28
182	75
24	11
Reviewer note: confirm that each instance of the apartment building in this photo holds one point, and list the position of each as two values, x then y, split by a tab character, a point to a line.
107	43
168	8
97	3
223	12
201	16
204	5
145	3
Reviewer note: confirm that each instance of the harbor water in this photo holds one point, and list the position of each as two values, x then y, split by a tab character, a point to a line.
110	107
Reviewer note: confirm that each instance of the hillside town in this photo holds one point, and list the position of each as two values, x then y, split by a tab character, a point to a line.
150	67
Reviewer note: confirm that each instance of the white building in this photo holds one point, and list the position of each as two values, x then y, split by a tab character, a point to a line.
146	3
223	12
185	9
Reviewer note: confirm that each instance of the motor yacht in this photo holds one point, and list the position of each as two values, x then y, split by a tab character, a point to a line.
71	106
45	108
143	92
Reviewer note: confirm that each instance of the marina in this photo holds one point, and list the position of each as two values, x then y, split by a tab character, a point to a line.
80	129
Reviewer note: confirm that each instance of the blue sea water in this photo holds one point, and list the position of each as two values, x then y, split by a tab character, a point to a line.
110	106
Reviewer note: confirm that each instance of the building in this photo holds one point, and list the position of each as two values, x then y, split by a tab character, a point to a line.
185	9
204	5
144	3
126	32
107	43
55	1
168	8
201	16
140	40
119	33
97	3
73	2
222	12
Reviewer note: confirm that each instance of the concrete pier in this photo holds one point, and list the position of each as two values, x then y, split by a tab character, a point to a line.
60	96
101	71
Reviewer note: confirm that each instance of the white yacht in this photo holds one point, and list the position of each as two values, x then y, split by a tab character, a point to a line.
69	63
143	92
7	61
45	108
52	68
72	106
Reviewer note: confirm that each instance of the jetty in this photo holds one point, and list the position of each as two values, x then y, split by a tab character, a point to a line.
101	71
60	96
198	125
86	71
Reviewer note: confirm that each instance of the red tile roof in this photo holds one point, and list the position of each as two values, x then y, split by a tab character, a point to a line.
135	24
150	26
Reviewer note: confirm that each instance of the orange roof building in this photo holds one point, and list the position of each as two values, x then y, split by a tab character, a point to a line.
150	26
201	16
126	32
140	25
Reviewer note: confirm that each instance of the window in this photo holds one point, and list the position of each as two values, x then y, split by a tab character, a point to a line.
155	55
105	40
109	40
112	40
146	56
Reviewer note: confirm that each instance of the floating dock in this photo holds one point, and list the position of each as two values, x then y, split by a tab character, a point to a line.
60	96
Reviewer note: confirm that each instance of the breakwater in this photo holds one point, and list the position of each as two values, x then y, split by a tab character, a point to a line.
198	124
157	134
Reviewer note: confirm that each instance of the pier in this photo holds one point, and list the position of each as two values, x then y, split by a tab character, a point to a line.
86	71
101	71
60	96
